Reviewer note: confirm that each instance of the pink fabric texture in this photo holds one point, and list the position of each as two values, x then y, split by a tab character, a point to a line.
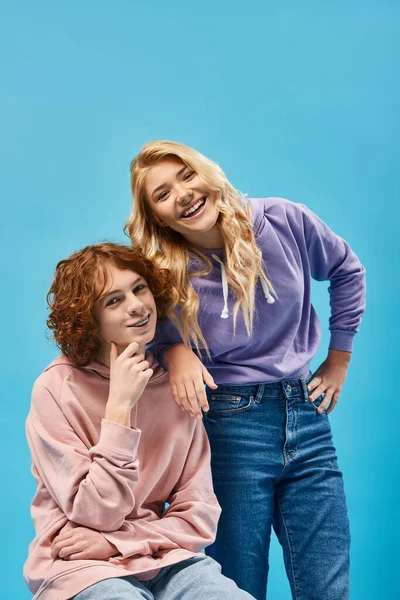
115	479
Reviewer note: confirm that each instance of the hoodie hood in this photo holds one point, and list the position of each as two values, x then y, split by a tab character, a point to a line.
103	370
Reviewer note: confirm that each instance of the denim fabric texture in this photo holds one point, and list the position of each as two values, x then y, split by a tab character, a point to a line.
274	465
198	577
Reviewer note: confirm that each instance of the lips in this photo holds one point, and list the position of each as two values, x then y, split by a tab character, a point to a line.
194	208
141	323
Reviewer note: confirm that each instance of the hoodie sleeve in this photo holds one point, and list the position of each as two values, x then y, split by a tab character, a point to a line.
331	259
190	521
93	486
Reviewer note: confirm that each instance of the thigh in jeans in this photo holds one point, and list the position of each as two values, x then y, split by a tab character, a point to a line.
244	461
115	588
196	578
311	515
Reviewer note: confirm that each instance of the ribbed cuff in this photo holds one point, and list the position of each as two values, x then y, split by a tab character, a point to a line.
121	440
341	339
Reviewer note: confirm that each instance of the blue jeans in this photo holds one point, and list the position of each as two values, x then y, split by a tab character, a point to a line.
274	464
197	577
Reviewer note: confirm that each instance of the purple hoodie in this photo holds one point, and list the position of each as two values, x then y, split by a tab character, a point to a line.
296	246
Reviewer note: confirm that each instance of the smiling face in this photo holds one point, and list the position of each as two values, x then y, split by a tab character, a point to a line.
180	200
126	311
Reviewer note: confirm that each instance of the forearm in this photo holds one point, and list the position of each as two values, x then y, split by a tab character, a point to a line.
192	530
93	487
331	259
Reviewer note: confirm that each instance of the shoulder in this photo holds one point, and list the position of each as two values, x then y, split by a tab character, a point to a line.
275	211
50	382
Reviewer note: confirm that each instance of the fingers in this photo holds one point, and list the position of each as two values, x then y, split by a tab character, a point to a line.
78	556
175	394
139	365
148	373
316	387
190	400
68	551
64	535
183	398
201	396
129	351
59	547
207	378
314	383
189	393
190	397
332	405
59	541
187	399
197	398
113	353
133	358
325	402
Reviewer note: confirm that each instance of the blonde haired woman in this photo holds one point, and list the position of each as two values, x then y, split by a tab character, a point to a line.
243	270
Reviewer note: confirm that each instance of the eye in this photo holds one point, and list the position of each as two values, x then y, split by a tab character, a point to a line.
139	288
163	195
112	301
189	175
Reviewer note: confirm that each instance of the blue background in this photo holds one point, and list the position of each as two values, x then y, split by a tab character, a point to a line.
293	99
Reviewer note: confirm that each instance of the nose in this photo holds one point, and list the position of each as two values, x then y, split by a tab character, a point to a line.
135	305
184	195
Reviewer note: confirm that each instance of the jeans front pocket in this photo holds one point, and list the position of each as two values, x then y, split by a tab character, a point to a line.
228	404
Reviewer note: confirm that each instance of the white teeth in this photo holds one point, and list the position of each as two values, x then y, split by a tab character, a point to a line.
193	209
140	323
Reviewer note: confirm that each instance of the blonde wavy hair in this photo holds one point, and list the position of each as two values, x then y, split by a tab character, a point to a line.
169	249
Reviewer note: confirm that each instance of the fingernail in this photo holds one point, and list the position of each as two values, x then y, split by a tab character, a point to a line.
309	387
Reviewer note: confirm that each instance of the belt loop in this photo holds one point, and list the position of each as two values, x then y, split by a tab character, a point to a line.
304	386
260	392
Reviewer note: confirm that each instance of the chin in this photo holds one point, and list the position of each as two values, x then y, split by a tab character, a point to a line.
150	337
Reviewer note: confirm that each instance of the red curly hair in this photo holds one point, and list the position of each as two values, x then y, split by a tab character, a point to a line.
78	283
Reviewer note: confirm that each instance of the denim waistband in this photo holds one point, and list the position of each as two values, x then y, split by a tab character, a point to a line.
290	387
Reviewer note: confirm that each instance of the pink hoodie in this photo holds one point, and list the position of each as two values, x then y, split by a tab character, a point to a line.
114	479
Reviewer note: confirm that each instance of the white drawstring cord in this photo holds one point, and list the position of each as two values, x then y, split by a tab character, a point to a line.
225	311
267	293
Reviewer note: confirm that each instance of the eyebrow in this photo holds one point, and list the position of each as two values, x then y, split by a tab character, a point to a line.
163	185
111	292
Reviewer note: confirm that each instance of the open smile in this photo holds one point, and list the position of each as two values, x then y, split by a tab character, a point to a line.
194	209
142	323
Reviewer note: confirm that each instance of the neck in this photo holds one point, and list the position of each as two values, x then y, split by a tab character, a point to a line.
212	239
104	355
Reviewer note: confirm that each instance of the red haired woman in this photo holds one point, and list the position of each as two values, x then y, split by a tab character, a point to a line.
110	447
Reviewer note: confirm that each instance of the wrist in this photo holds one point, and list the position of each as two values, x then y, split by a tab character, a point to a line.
339	357
119	412
167	352
111	546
